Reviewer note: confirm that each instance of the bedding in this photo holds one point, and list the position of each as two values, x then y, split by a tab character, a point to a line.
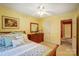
7	41
29	49
1	41
22	46
12	39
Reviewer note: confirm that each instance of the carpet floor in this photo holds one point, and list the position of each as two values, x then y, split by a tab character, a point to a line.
62	50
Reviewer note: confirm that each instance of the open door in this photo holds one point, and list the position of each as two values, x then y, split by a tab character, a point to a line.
66	31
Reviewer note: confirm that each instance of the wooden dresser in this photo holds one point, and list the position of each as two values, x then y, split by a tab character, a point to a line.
38	37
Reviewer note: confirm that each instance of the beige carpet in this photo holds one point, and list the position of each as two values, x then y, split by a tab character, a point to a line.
63	50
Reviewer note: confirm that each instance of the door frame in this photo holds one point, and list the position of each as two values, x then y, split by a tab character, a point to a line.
77	37
68	21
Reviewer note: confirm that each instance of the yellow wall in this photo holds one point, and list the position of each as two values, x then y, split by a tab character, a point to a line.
24	19
55	27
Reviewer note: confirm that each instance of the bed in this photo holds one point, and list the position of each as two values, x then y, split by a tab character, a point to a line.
25	47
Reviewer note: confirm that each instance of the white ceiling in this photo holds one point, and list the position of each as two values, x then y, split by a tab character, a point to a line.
51	8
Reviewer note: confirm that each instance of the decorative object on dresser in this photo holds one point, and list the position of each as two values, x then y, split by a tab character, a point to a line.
34	27
9	22
37	37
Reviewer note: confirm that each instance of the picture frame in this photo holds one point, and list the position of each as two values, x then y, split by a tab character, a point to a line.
10	22
34	27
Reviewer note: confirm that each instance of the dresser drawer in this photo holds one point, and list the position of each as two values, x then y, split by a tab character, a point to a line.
36	37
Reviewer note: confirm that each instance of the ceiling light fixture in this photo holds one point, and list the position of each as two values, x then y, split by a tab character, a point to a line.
41	10
41	7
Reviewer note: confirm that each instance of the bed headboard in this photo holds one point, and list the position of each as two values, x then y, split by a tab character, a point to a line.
12	32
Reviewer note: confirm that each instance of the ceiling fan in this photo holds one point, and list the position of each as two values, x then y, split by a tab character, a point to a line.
42	11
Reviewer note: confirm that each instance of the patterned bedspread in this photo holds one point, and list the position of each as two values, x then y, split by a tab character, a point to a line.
31	49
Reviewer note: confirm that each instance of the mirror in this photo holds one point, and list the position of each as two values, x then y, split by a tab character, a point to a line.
33	27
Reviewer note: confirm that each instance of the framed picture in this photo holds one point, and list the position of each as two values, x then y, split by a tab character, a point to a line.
33	27
9	22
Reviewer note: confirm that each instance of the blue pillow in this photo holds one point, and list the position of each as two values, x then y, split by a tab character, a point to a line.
2	41
8	41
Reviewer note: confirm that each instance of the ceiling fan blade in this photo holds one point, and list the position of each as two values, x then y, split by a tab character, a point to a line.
50	11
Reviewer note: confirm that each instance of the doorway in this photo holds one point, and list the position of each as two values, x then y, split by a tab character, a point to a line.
66	32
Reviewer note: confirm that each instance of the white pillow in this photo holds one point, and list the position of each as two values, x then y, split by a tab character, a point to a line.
15	43
21	36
